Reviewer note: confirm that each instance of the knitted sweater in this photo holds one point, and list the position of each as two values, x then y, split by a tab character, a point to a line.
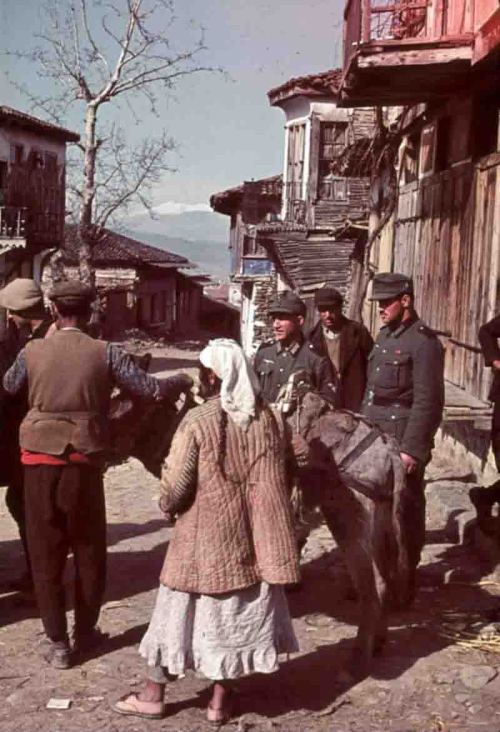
233	531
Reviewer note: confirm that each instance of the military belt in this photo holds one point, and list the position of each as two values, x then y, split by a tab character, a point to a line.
386	402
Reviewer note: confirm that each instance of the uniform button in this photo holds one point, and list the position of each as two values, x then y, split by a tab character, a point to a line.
377	369
393	416
384	350
282	369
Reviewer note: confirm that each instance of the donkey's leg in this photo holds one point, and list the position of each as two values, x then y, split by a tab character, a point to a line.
350	518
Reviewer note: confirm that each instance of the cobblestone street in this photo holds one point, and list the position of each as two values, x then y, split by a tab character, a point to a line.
425	681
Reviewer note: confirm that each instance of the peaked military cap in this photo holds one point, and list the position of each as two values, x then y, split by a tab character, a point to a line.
21	295
72	291
327	296
391	284
287	303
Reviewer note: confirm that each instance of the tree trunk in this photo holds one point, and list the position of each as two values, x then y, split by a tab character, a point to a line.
86	233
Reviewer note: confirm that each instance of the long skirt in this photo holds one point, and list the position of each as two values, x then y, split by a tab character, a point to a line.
219	636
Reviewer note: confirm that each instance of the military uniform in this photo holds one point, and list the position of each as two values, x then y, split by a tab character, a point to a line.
405	396
274	363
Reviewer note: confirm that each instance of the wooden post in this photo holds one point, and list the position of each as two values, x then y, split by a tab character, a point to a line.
366	21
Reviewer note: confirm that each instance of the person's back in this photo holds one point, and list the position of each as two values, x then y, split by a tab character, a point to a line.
237	530
69	390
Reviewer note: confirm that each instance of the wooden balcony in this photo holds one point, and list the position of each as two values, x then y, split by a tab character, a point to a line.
338	200
12	225
399	52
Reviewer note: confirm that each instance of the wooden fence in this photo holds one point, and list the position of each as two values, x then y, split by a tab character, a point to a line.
448	239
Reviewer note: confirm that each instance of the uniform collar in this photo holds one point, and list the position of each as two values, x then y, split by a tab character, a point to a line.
293	348
402	327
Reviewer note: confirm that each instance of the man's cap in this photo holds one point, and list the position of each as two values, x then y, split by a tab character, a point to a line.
390	284
287	303
327	296
22	295
72	291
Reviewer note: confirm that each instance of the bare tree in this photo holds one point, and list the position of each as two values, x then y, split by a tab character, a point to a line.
97	53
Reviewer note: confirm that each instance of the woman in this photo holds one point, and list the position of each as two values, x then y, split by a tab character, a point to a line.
221	608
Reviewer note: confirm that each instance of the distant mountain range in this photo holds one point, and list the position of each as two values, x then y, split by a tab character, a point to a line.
200	236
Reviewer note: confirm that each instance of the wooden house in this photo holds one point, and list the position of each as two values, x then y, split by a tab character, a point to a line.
140	286
248	205
32	192
437	65
324	209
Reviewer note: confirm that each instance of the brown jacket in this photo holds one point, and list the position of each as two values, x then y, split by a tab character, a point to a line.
236	530
355	346
69	389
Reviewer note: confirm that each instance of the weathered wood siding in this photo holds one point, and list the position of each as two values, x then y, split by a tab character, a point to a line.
448	239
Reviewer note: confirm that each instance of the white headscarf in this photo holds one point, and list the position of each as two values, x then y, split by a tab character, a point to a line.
239	383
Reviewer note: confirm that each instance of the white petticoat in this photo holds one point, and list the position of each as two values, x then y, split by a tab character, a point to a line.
219	636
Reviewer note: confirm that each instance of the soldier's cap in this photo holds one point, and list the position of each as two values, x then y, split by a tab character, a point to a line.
327	296
22	295
390	284
72	292
287	303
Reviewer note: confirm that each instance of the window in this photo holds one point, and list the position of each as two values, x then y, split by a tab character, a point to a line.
295	161
3	174
427	149
332	142
16	154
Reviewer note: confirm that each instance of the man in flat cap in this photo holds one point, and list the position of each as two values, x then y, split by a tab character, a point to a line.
70	377
405	394
27	319
346	343
276	360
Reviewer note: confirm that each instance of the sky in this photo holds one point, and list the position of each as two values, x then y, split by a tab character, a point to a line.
225	130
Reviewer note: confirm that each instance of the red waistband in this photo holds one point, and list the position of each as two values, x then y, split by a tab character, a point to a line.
39	458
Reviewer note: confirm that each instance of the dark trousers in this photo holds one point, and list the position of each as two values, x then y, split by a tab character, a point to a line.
495	432
413	515
14	499
65	511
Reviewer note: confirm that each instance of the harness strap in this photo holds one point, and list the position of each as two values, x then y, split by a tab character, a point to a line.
358	449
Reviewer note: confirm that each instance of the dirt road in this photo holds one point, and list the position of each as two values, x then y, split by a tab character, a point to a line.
424	681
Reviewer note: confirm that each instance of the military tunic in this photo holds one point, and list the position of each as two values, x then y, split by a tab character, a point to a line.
405	397
405	387
274	364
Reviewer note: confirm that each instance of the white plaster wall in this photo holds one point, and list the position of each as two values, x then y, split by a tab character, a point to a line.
299	110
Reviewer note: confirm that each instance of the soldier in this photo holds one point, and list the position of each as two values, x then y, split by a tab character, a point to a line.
489	333
63	438
405	394
346	343
276	360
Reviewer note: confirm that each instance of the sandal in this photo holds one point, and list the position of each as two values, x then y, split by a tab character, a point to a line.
130	705
218	716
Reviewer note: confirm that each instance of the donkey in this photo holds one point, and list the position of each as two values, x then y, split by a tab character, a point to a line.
357	478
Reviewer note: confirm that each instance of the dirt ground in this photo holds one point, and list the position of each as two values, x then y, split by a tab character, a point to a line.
425	681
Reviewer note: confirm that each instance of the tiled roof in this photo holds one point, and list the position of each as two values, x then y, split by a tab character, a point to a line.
326	83
117	249
20	119
307	262
230	199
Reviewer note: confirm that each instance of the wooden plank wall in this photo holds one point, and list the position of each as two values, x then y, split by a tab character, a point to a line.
447	238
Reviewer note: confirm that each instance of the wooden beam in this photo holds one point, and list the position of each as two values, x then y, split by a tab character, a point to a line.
420	57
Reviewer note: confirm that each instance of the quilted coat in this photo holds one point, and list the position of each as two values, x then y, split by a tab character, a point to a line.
234	527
